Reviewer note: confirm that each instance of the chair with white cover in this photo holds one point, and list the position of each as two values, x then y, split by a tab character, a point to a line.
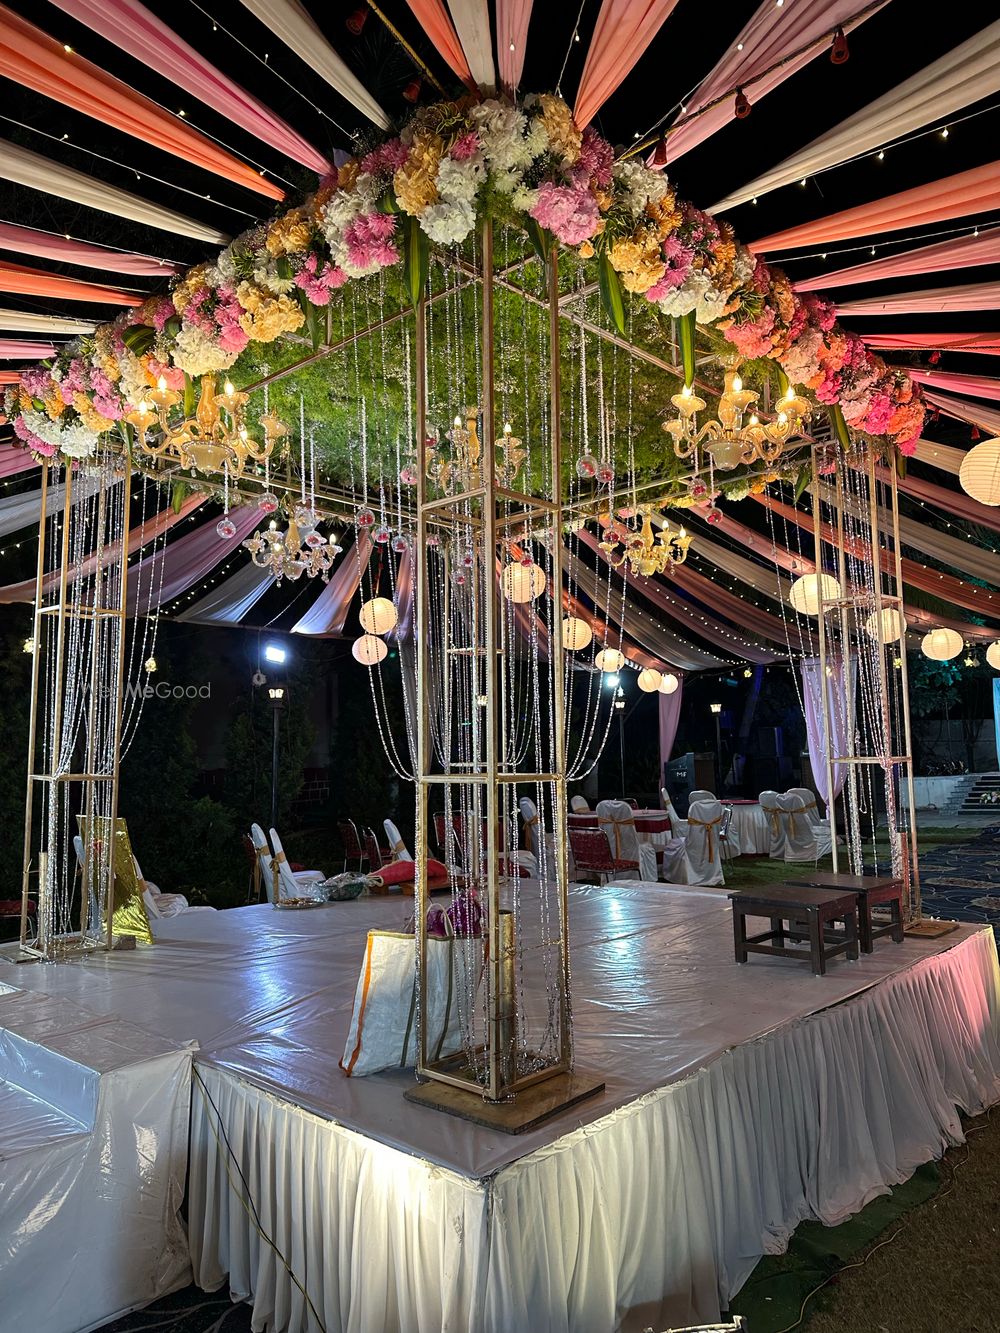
768	802
700	795
532	826
579	805
617	818
804	840
165	904
396	844
678	826
293	883
704	847
811	803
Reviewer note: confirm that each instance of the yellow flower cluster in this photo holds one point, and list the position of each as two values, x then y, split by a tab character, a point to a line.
267	317
664	214
104	353
415	181
187	287
54	405
89	414
638	260
564	137
290	234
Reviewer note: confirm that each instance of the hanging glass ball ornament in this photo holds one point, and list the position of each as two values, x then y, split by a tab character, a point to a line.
468	557
365	519
586	467
714	515
459	578
605	474
268	503
226	528
306	516
433	540
408	474
314	539
402	542
381	535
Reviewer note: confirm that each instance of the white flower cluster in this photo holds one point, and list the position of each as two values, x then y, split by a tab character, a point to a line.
511	141
198	353
641	185
75	441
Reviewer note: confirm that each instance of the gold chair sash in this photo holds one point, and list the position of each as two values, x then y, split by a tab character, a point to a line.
708	825
618	825
774	816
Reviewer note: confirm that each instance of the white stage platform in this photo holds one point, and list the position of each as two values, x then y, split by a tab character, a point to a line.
739	1101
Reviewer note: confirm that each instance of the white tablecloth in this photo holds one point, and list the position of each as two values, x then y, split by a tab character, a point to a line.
748	831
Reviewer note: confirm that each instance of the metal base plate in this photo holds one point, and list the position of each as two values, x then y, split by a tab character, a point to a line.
529	1108
928	929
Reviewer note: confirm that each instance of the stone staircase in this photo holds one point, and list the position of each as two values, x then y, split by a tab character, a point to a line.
967	797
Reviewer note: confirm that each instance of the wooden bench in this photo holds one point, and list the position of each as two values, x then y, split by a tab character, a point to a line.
871	891
811	915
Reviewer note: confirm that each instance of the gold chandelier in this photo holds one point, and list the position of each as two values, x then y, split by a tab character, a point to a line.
300	549
464	467
214	439
644	552
730	440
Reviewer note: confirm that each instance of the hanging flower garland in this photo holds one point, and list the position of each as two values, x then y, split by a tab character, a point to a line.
453	163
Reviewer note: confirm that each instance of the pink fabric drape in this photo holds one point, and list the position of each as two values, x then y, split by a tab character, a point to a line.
774	34
931	300
669	718
513	17
965	252
29	57
962	410
968	192
12	350
404	597
131	26
437	25
25	281
986	344
613	636
812	700
327	616
956	504
173	570
624	30
738	609
14	459
145	533
980	386
45	245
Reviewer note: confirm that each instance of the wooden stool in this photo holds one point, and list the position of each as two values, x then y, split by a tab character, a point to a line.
814	909
871	891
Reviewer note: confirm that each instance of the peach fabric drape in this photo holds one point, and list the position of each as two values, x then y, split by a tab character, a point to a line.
29	57
980	386
969	192
513	17
41	173
10	377
35	282
965	252
624	30
985	344
138	32
46	245
437	25
930	300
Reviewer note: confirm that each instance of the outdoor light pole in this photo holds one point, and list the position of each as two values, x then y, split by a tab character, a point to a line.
620	710
717	714
277	697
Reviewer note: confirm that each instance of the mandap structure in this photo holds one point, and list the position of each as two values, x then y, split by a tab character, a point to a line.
484	374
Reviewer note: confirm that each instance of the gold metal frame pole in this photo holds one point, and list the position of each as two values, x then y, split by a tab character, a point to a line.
29	797
122	619
852	804
821	634
89	765
891	769
422	763
915	907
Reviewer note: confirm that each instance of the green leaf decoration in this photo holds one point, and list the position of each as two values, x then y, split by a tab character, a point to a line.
802	480
315	325
388	203
190	398
685	339
840	425
139	338
782	379
611	292
178	494
900	459
540	240
416	259
172	326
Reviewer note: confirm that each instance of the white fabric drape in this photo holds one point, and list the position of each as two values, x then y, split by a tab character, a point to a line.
943	456
472	23
977	414
24	167
294	26
19	511
22	321
759	60
938	300
970	72
232	599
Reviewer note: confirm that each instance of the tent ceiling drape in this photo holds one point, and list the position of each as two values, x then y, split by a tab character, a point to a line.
988	344
20	280
931	300
964	252
46	245
623	31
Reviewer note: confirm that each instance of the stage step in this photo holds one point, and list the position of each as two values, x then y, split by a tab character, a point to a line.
970	801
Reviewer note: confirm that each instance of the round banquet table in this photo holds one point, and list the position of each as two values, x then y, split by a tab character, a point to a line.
748	829
650	825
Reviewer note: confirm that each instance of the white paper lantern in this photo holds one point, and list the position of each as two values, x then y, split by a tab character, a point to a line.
522	583
993	654
979	474
941	645
576	633
650	680
368	650
669	683
892	626
377	616
805	592
610	659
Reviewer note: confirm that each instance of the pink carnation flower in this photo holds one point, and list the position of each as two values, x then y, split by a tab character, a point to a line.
369	241
570	212
317	282
389	157
596	157
678	258
465	146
